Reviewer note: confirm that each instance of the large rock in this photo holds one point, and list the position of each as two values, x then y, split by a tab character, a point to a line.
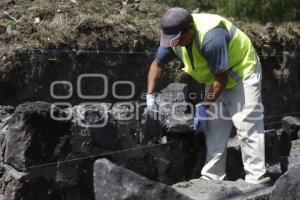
288	185
116	183
98	128
174	116
5	115
35	141
22	185
34	137
292	126
174	119
199	189
152	126
175	109
93	129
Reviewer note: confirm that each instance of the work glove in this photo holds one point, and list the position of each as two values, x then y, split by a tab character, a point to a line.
200	119
151	104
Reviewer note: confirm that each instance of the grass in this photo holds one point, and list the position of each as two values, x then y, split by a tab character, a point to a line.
46	13
63	22
94	20
129	19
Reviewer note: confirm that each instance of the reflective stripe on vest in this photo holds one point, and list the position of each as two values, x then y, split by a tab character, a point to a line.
242	56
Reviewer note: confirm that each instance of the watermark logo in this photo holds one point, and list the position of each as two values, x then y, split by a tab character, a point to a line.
96	115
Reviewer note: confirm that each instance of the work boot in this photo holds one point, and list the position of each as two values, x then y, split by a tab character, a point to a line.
267	178
263	180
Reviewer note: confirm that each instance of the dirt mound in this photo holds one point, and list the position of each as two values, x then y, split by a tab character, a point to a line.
88	24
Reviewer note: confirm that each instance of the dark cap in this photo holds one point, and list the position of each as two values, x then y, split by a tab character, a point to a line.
173	23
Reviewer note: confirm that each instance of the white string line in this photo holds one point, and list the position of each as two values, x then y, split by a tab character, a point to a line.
40	50
279	122
281	115
97	155
273	123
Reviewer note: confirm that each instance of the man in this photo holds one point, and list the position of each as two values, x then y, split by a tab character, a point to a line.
215	52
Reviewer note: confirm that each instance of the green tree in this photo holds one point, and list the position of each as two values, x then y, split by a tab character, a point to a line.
258	10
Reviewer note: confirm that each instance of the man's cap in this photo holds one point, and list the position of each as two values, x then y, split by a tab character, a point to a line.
172	24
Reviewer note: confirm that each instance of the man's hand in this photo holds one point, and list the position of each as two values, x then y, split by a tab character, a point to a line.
216	88
151	104
200	119
215	91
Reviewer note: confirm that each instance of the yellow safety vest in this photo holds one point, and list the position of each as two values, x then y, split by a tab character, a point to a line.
242	56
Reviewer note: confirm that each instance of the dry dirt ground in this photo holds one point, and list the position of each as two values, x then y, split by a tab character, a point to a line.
79	25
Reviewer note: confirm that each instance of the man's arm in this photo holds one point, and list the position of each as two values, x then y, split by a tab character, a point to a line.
213	94
163	56
153	75
216	88
215	49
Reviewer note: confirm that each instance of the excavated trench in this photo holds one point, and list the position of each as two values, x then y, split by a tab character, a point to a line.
29	129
